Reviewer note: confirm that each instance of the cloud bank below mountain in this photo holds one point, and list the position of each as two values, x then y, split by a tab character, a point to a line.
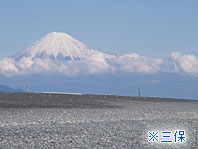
94	64
98	64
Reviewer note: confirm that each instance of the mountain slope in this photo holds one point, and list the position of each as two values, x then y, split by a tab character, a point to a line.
4	88
59	53
57	46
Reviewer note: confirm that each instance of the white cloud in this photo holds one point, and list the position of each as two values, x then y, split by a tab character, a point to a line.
95	64
184	63
7	67
99	63
24	63
138	64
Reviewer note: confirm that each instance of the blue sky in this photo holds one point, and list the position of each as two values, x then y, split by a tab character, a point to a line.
152	28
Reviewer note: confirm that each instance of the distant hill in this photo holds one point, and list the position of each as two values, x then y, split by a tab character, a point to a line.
4	88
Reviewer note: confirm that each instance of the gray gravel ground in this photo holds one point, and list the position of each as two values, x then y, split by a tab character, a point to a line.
92	121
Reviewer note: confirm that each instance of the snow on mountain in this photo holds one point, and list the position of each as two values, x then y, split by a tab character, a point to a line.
59	53
58	46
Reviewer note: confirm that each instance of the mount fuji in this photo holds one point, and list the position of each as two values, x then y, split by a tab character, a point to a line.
58	46
57	53
58	62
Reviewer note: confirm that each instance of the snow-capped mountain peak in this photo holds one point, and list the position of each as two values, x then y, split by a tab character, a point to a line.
59	46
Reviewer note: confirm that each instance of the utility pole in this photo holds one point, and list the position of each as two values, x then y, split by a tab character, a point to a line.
139	93
27	89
